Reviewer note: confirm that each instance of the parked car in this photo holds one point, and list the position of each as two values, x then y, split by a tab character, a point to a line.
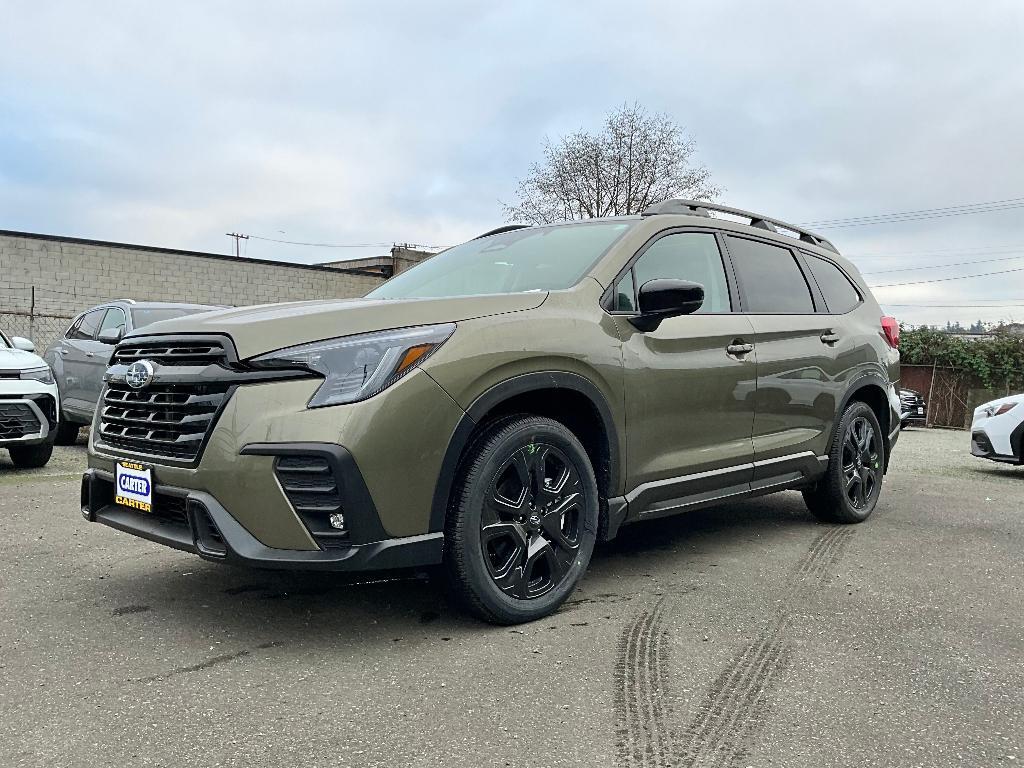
501	407
997	431
80	358
912	407
29	408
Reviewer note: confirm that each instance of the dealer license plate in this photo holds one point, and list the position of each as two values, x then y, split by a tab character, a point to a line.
133	485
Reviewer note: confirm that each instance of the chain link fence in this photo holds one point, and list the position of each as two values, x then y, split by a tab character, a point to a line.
41	314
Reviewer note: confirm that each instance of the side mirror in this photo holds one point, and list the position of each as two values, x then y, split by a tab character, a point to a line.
20	342
663	298
110	335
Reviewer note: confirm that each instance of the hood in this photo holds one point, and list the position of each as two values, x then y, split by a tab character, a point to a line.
19	360
268	327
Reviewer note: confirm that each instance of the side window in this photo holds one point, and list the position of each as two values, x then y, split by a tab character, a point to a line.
87	327
114	319
839	293
625	294
692	256
770	278
70	334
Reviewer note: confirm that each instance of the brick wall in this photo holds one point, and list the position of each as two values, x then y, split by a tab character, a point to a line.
69	275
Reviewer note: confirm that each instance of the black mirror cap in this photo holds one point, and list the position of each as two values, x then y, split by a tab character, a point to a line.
110	335
665	297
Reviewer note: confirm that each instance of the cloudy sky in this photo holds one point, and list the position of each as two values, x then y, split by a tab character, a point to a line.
349	123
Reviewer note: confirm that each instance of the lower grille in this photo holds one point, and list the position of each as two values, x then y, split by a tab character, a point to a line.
164	420
17	420
312	490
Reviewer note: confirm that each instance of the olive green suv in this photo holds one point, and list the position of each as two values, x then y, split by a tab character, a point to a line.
503	406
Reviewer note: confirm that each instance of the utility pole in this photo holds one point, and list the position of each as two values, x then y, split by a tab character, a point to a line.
238	238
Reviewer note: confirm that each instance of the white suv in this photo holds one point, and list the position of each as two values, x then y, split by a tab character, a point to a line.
997	431
28	403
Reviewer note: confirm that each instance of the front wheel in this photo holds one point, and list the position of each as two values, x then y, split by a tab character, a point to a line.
523	520
31	456
849	490
67	432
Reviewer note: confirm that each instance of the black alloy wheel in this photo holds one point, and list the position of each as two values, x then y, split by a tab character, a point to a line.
522	520
531	522
862	468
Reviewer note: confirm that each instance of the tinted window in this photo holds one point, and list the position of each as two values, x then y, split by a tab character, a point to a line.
771	280
840	295
143	317
624	294
87	327
114	319
531	259
692	256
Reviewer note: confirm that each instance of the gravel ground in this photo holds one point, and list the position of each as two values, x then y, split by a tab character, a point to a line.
744	635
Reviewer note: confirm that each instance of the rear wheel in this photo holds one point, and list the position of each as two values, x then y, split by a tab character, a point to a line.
523	520
850	488
67	432
31	456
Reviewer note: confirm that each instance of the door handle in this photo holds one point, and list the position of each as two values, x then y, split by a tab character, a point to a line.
739	349
829	338
61	351
90	354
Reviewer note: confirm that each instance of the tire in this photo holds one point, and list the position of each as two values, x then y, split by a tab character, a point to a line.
31	456
67	432
849	490
522	522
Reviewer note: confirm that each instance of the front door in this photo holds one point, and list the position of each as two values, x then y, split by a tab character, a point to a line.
690	384
79	350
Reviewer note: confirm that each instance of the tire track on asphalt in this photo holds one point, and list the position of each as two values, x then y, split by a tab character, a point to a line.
738	700
641	674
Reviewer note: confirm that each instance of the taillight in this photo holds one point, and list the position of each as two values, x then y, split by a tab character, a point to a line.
891	331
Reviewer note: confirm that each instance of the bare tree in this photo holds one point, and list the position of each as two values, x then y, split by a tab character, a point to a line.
636	159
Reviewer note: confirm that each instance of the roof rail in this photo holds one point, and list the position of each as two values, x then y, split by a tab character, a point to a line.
499	230
126	301
701	208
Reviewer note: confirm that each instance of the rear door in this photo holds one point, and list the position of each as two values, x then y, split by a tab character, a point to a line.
797	386
689	399
78	350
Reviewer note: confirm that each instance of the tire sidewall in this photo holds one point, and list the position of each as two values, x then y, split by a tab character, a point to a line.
854	411
510	440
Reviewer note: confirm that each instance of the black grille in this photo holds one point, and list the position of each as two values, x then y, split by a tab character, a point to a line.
189	353
165	419
169	508
17	420
312	489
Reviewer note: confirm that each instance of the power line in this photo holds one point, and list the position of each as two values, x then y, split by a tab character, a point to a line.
941	266
970	251
917	215
947	279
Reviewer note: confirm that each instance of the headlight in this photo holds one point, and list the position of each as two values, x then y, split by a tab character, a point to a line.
998	410
358	367
45	375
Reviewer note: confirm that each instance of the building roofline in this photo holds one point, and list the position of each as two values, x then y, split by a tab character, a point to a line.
180	252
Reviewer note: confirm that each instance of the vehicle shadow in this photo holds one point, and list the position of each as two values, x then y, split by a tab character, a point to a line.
323	609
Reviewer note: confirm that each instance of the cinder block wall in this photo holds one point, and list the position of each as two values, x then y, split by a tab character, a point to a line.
70	275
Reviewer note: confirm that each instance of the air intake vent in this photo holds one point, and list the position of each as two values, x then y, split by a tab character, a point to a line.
17	420
312	489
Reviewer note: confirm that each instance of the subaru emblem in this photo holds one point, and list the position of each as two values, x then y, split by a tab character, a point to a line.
139	374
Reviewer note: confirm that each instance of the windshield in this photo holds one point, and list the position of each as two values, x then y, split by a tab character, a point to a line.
143	317
532	259
4	343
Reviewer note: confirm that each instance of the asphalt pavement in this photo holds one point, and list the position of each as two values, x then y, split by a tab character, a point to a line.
745	635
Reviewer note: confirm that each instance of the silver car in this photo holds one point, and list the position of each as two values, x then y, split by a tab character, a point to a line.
81	356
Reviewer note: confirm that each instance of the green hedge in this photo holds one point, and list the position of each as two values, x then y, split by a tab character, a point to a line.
997	362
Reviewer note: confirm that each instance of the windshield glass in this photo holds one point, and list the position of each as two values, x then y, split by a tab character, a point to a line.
143	317
533	259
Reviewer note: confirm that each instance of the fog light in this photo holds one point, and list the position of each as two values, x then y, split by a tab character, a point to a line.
338	521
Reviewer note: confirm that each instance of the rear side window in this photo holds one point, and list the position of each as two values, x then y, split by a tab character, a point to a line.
839	293
115	319
87	327
771	280
692	256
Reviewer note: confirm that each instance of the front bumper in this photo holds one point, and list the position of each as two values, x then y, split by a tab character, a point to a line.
998	445
194	521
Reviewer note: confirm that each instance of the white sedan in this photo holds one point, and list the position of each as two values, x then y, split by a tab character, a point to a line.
997	431
28	403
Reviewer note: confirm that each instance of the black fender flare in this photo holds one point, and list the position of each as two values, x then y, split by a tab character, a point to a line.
497	394
862	382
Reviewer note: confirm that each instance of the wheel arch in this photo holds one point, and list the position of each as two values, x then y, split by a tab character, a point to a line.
871	390
566	397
